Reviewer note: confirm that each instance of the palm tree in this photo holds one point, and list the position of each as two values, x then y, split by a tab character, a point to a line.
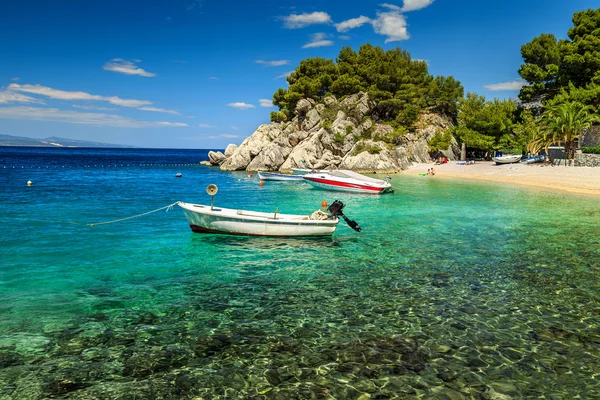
565	122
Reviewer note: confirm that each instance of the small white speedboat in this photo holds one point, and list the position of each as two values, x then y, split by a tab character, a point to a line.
348	181
210	219
273	176
509	159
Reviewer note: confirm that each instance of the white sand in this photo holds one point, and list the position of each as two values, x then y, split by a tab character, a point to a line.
584	180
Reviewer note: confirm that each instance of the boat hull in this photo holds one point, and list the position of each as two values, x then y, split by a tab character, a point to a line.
339	186
506	159
248	223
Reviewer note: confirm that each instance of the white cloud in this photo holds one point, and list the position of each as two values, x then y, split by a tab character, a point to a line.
412	5
240	105
235	128
92	107
64	95
76	117
226	135
512	85
177	124
345	26
344	37
161	110
391	6
265	102
206	126
317	40
274	63
213	78
284	75
126	67
15	79
8	96
391	24
295	21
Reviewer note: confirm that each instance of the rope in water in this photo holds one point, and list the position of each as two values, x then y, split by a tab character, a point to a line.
169	207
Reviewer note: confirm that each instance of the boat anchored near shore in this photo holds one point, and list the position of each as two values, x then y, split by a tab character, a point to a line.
348	181
210	219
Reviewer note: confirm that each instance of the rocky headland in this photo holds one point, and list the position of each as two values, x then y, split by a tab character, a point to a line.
337	134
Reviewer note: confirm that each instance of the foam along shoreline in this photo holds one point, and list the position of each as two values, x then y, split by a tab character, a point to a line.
581	180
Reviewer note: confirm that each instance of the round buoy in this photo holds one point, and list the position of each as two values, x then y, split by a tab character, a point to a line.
178	175
29	183
249	175
261	184
324	204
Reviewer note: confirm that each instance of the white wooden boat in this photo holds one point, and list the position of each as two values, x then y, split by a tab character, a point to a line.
207	219
272	176
210	219
509	159
348	181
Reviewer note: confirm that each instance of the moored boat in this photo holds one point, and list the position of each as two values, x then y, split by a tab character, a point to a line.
509	159
303	171
272	176
348	181
210	219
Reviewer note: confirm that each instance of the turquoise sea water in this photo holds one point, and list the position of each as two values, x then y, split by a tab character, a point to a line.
453	290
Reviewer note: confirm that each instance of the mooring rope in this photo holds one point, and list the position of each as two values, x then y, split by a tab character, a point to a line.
169	207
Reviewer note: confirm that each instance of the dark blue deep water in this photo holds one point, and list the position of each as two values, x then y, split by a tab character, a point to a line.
453	290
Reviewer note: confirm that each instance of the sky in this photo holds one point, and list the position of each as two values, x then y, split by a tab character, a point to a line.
202	73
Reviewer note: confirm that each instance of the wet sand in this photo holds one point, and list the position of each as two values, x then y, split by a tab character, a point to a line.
583	180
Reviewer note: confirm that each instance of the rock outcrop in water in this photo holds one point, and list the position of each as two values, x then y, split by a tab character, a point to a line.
335	135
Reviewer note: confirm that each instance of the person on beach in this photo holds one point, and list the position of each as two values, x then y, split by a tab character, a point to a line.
432	171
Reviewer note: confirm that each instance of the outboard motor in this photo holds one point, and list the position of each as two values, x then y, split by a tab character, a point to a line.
336	209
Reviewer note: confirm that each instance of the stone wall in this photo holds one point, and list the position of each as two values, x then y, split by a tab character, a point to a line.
591	137
587	160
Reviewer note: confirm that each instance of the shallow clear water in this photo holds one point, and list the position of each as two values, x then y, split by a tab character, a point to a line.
453	290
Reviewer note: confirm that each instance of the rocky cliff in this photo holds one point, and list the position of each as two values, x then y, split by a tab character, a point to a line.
335	135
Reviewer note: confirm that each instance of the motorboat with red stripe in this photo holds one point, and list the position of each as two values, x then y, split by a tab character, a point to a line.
348	181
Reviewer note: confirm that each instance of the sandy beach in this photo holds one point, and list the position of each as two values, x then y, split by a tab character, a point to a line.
583	180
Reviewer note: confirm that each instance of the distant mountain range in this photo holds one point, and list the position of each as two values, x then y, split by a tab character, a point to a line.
8	140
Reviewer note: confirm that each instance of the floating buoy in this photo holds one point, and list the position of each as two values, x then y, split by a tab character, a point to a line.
29	183
324	204
178	175
249	175
261	184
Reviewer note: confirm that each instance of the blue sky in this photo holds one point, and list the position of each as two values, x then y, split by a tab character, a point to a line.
201	73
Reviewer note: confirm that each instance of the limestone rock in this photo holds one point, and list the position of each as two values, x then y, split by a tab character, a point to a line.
311	120
359	104
330	101
373	156
252	146
351	141
216	157
303	106
230	149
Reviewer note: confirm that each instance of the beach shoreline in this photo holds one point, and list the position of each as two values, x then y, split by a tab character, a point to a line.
579	180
